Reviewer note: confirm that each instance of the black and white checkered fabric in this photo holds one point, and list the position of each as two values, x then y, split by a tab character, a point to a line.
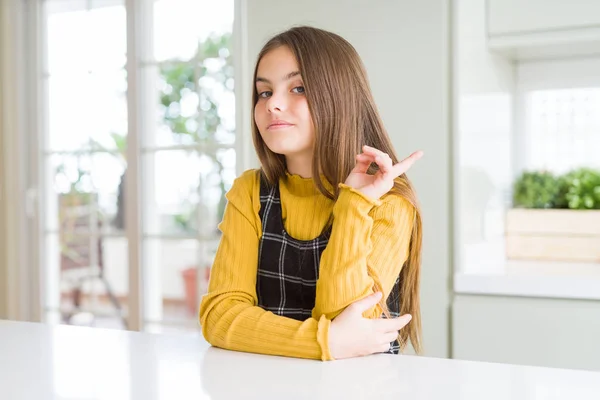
288	268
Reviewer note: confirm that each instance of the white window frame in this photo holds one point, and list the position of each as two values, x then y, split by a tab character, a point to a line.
24	302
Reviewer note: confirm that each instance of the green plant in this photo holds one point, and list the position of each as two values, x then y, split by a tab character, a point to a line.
77	183
583	189
184	81
536	189
560	200
181	83
578	190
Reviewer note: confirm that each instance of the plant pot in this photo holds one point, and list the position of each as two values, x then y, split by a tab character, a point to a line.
190	284
553	235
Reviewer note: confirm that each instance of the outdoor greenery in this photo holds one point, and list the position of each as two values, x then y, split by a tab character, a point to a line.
180	81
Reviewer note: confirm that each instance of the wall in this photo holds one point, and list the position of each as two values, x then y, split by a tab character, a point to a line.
483	109
405	47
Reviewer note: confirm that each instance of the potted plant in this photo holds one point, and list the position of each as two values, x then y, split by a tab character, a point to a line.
555	218
190	282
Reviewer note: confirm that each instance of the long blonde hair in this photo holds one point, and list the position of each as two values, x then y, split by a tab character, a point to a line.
345	118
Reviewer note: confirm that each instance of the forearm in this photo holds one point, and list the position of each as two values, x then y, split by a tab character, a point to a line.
230	321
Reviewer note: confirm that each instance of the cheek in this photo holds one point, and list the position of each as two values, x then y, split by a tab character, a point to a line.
310	127
304	112
258	113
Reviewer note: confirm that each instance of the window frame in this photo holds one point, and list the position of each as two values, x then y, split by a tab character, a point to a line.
563	73
30	295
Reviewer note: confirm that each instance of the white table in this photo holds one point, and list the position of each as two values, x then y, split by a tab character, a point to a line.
39	362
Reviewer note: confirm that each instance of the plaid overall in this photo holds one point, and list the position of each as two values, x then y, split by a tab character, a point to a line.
288	268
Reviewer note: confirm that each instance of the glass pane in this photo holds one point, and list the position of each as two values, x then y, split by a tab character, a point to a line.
171	192
86	87
563	129
187	112
194	81
87	194
186	194
196	102
71	194
78	39
108	177
219	180
175	276
178	104
66	35
217	101
107	47
87	279
180	24
87	111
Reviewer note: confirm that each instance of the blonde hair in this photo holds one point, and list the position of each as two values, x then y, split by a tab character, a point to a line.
345	118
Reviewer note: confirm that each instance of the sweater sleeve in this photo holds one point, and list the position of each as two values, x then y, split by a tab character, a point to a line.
369	244
229	315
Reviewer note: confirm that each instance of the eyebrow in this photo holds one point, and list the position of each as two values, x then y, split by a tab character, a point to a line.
285	78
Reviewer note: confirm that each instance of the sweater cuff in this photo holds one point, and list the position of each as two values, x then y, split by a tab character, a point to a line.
323	338
350	197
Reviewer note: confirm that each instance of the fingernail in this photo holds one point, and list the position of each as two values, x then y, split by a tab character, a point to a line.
377	295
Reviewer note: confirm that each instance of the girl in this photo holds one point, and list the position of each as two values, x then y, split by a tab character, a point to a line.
321	248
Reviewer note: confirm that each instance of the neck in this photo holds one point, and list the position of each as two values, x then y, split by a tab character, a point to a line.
299	164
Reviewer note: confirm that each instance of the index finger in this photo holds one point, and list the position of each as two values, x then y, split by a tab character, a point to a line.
408	162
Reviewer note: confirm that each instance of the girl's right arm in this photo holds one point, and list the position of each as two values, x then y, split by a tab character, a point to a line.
229	314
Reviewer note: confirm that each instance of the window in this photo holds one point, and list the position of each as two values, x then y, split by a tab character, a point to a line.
184	145
562	127
547	118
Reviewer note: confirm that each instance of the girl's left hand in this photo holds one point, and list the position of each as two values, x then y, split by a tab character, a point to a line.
375	186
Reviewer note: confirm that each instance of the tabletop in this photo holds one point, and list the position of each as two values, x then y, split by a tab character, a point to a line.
40	362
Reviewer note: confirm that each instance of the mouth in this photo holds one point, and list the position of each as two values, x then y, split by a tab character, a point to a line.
279	125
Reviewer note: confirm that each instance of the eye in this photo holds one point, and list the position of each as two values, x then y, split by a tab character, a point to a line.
265	94
299	89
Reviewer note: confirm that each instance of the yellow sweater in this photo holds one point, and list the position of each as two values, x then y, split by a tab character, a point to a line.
369	243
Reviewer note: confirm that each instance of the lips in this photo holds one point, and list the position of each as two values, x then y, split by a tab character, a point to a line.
279	124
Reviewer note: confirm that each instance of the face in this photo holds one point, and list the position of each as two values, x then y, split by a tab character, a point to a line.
281	112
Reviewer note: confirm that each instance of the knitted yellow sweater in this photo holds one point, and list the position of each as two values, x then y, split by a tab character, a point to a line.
369	243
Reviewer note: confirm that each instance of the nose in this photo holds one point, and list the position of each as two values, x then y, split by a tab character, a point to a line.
276	103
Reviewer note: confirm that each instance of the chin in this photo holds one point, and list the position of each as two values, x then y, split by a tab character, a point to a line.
286	143
283	148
